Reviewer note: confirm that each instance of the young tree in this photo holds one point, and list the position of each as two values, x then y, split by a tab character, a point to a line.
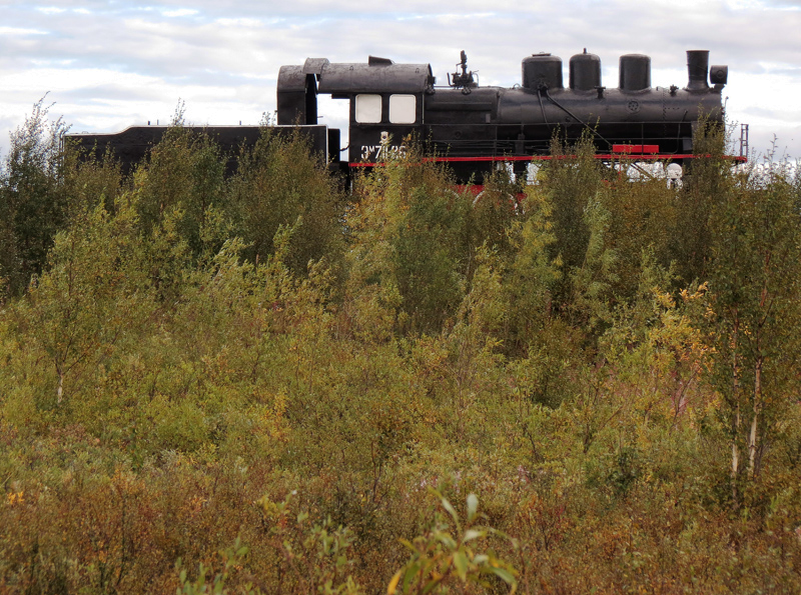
183	180
92	299
572	182
280	182
409	244
756	298
32	205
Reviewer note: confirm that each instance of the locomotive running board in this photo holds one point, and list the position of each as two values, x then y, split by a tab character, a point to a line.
600	157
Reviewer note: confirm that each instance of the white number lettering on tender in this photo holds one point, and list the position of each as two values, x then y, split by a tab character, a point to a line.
379	152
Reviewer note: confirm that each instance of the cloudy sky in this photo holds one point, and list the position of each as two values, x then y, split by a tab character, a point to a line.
108	64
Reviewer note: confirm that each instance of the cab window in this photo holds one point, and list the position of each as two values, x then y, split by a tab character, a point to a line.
402	109
368	108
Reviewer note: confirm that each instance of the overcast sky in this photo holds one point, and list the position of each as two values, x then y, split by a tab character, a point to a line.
109	64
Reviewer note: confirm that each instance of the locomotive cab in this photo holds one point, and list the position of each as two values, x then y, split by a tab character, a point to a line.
386	101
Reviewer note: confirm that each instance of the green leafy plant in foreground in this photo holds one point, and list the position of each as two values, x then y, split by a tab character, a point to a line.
232	556
313	557
450	555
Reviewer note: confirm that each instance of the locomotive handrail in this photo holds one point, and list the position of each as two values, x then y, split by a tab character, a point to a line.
569	113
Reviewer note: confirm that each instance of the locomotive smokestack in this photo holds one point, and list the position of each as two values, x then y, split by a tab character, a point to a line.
697	69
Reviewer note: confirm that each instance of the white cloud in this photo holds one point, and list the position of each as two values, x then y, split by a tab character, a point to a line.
181	12
50	9
57	80
109	63
243	22
20	31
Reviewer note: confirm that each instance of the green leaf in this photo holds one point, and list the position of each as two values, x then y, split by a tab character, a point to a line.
461	563
445	539
408	544
408	577
471	534
504	575
472	507
451	511
431	585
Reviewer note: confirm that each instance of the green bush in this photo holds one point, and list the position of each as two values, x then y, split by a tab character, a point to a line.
202	361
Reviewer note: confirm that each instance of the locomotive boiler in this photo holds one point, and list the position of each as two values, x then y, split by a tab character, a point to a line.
474	128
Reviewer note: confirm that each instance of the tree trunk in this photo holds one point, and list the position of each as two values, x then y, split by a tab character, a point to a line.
735	422
752	436
60	387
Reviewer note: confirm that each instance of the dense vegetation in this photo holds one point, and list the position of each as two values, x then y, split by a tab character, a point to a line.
259	382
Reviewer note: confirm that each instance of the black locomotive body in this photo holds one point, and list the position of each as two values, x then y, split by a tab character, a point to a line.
475	128
131	146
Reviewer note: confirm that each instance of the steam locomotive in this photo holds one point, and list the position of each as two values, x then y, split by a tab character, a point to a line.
475	128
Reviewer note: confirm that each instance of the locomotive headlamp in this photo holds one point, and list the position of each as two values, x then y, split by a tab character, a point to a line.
718	75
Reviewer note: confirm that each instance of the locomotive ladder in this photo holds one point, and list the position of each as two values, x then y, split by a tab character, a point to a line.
743	140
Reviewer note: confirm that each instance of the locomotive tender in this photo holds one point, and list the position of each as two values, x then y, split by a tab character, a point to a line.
475	128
